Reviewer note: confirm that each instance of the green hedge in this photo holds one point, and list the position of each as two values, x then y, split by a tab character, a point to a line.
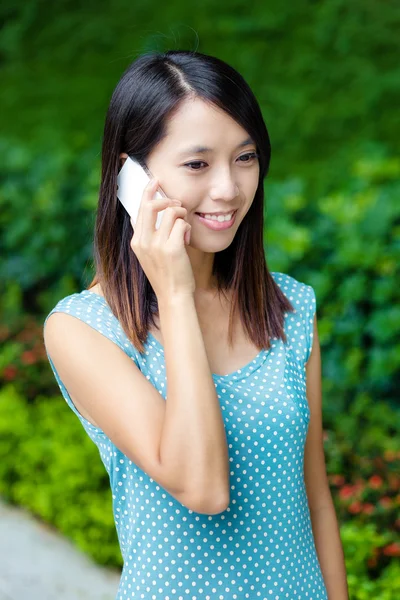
50	466
361	544
325	73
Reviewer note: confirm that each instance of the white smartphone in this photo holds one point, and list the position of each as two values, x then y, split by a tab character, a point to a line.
131	181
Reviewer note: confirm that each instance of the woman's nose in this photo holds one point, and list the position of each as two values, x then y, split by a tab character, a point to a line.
226	189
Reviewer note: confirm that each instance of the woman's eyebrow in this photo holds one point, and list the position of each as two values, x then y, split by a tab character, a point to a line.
203	149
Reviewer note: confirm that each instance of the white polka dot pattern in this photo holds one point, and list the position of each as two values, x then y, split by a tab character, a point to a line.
262	545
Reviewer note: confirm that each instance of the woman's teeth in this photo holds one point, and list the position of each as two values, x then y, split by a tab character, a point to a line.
220	218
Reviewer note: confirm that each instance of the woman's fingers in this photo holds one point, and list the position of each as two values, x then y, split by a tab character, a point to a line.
149	209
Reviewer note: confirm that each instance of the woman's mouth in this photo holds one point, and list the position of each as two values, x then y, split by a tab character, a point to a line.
217	223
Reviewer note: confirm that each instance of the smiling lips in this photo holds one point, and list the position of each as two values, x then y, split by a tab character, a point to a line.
217	223
217	214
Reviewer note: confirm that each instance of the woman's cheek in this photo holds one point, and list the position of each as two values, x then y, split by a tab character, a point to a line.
178	188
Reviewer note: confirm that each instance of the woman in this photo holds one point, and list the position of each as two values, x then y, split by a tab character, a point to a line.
194	369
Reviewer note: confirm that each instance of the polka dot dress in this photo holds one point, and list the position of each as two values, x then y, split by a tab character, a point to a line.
262	545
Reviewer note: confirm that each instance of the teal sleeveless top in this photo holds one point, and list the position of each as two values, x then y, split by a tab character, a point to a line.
262	545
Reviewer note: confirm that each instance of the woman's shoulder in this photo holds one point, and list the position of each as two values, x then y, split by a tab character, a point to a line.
74	304
298	292
299	324
92	309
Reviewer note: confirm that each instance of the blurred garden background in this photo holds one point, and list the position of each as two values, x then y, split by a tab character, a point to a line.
327	76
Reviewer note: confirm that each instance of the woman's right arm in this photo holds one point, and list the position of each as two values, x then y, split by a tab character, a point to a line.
193	441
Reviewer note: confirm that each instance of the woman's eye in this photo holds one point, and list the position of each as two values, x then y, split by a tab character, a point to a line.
197	162
249	156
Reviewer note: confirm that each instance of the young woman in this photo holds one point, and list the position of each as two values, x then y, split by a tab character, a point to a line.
194	369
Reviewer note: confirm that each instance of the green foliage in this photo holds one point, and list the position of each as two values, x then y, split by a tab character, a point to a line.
360	544
363	464
324	73
47	215
23	359
45	459
347	246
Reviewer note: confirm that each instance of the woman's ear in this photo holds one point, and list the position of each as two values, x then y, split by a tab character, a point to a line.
122	158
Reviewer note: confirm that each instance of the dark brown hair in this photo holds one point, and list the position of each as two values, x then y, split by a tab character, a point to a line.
148	93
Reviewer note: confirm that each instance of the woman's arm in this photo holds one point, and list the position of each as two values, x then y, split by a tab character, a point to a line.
323	515
193	440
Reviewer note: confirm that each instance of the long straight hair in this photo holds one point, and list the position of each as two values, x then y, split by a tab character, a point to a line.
147	95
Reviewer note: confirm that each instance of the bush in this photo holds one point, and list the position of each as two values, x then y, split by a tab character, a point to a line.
50	466
363	462
361	544
23	358
347	246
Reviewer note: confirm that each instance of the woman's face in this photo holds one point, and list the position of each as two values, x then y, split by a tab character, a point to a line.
222	177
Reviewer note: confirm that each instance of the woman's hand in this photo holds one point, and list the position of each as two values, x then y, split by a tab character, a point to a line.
162	253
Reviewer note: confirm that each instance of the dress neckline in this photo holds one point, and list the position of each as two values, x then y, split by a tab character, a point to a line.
240	373
253	364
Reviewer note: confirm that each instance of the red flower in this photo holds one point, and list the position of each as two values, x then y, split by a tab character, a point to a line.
28	357
337	479
346	491
10	372
355	507
385	501
375	481
368	508
392	549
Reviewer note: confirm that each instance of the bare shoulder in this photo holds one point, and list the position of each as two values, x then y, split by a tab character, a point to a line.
107	386
57	333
